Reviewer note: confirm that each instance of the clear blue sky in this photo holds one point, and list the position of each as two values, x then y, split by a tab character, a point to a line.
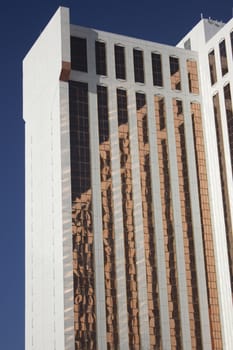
20	24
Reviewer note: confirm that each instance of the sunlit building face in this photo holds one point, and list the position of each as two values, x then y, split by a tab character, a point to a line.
139	165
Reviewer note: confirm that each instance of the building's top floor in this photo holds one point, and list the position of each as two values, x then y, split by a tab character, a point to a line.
204	32
84	54
119	57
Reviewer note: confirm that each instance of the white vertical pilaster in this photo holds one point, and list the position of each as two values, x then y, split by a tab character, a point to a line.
157	212
159	236
137	203
219	232
138	225
197	229
118	226
96	202
178	230
42	110
122	316
66	219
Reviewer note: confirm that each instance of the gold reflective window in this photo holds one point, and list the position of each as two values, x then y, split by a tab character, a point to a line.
192	76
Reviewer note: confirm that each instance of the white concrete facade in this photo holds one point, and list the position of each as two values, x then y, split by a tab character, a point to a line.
205	37
49	276
49	266
148	89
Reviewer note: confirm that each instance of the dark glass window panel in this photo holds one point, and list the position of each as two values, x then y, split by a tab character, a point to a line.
160	111
120	62
79	54
174	65
231	37
212	67
140	103
140	100
102	101
79	138
175	73
138	66
227	95
229	115
122	107
223	57
100	58
157	69
178	107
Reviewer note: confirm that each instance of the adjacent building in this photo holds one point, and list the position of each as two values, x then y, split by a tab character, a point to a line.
129	193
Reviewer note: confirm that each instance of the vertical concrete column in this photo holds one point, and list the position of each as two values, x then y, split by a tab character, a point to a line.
96	202
226	140
197	230
159	239
66	219
219	232
179	244
155	184
138	225
137	202
122	315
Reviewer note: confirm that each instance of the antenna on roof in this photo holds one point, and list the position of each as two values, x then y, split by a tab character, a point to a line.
202	14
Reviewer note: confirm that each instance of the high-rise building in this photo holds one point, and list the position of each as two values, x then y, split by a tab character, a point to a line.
129	194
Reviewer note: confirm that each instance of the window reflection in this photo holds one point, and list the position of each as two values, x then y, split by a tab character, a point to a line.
175	73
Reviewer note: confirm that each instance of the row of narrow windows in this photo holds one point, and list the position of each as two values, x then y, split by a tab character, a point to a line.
79	62
122	106
223	60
